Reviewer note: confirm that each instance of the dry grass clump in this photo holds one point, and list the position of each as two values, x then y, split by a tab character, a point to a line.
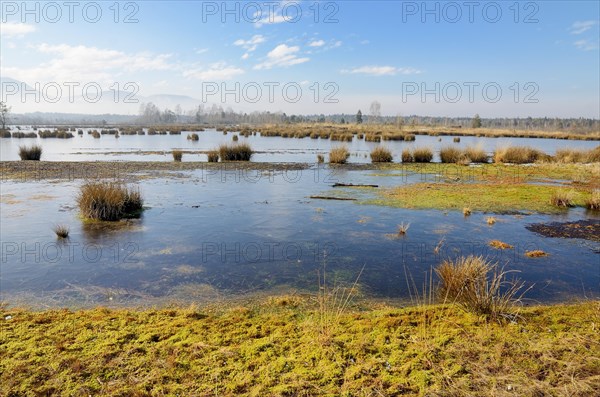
490	220
478	286
107	201
518	155
451	154
320	158
339	155
177	155
456	139
381	155
407	156
235	152
593	203
467	211
535	254
476	154
422	155
562	198
193	137
403	228
500	245
577	155
61	231
409	137
213	156
33	152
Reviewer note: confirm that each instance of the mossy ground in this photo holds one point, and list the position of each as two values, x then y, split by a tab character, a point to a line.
487	197
280	346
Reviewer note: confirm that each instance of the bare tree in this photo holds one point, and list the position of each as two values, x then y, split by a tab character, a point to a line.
4	111
375	111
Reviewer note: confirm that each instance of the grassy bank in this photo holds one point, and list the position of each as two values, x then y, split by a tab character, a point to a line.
281	346
500	198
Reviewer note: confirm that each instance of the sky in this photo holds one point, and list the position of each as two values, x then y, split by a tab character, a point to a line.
497	59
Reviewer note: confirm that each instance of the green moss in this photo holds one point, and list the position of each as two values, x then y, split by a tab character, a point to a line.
501	197
277	347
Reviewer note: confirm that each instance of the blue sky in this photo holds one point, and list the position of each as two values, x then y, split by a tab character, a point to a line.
533	58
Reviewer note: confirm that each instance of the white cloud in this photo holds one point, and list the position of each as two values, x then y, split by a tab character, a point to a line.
86	64
579	27
585	45
15	29
364	42
381	70
252	44
246	56
217	71
200	51
316	43
285	11
282	55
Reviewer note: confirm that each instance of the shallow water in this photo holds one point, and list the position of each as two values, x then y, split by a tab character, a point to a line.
208	236
269	149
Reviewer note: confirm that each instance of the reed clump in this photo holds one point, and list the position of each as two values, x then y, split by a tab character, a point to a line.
235	152
108	201
33	152
339	155
381	155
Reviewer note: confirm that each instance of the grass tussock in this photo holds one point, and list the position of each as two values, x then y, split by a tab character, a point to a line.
518	155
193	137
479	287
177	155
339	155
467	211
593	202
235	152
476	154
320	158
381	155
562	198
500	245
213	156
403	228
451	154
490	220
536	254
33	152
106	201
407	156
569	156
422	155
61	231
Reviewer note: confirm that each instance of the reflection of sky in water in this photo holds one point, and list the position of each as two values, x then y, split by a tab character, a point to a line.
270	149
208	236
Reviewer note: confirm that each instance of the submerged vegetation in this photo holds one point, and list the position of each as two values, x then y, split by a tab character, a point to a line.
107	201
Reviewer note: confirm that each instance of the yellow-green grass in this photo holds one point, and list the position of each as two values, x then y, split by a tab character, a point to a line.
582	173
498	198
275	347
